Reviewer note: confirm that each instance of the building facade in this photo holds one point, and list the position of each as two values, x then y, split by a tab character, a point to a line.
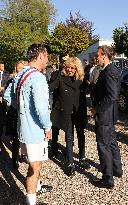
88	54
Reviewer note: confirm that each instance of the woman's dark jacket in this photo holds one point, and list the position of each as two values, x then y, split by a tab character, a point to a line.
71	96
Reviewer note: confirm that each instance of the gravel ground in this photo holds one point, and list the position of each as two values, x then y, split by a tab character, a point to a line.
78	190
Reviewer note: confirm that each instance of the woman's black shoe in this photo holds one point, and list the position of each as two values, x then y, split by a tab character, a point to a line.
71	170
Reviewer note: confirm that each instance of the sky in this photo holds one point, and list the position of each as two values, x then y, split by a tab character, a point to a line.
106	15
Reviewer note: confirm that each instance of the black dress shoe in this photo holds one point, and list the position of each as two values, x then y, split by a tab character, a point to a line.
103	184
108	185
84	164
71	170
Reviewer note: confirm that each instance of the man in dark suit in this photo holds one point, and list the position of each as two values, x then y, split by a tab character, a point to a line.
105	94
4	76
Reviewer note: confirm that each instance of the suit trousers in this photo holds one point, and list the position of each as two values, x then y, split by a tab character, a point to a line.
108	151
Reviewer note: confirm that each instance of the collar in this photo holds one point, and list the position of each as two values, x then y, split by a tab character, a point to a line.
107	65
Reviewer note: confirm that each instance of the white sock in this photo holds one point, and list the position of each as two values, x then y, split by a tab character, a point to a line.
31	199
38	185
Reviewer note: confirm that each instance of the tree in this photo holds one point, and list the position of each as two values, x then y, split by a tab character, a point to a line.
38	13
120	37
68	40
79	21
23	22
14	39
72	36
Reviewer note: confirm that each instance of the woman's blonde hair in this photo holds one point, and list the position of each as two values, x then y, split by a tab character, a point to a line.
75	63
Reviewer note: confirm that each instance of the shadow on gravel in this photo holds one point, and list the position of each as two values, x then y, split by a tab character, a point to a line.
91	177
121	137
123	120
61	160
10	193
90	162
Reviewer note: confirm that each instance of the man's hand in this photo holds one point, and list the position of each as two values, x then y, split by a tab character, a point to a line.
48	134
1	89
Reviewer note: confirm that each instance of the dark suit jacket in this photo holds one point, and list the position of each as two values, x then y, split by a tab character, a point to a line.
106	94
5	78
71	94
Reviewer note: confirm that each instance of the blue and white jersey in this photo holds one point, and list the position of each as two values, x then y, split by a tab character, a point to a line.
33	106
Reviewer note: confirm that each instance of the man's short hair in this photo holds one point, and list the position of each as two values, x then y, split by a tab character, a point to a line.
108	50
34	50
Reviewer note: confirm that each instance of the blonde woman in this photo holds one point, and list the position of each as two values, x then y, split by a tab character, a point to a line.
70	109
